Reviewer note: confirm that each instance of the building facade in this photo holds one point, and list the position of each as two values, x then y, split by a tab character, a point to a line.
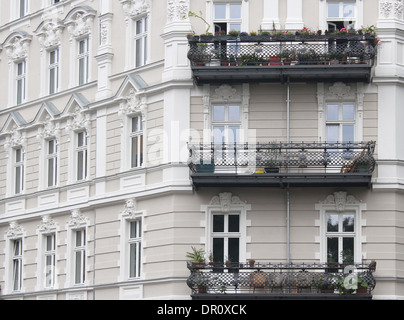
126	144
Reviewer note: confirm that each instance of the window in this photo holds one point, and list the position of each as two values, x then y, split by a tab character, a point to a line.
22	8
135	247
140	41
52	162
340	237
50	260
20	81
17	264
226	237
18	170
226	123
137	142
79	256
83	60
81	155
340	124
53	71
227	17
341	14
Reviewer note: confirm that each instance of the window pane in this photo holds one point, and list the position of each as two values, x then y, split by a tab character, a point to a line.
348	133
347	112
348	223
218	113
234	223
234	245
235	11
235	26
133	256
234	113
332	223
50	243
333	10
78	267
218	249
332	250
349	10
234	134
139	26
348	250
332	112
18	180
80	165
218	134
218	223
332	133
51	171
220	11
139	50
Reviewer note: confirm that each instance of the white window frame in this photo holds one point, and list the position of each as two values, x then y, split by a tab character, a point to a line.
53	68
128	215
16	265
135	267
83	61
341	203
226	203
20	82
210	13
18	166
136	142
51	158
81	154
228	20
140	37
340	122
79	250
323	14
226	123
49	253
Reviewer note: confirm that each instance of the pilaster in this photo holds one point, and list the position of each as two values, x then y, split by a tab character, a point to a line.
271	15
294	19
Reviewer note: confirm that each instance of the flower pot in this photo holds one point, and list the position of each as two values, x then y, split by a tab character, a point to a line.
271	170
275	61
287	62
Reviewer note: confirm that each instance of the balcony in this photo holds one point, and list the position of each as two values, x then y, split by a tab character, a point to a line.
281	281
317	164
282	58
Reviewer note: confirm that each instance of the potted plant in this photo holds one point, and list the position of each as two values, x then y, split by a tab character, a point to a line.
272	161
362	285
197	257
275	60
234	33
372	265
251	262
286	56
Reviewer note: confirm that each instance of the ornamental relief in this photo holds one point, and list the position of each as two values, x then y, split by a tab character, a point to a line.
80	24
177	10
391	9
134	8
78	120
50	34
340	200
226	200
17	47
133	104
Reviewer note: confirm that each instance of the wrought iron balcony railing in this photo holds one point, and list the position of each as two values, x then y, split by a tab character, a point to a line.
281	58
243	279
342	162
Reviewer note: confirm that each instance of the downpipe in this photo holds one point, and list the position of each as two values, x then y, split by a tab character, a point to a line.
287	188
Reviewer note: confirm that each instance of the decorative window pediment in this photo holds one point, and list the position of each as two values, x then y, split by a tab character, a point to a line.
17	45
79	21
340	200
47	226
13	129
225	201
177	10
78	118
133	103
77	220
50	33
134	8
130	212
15	231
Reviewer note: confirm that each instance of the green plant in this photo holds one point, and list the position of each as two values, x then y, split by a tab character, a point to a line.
371	30
199	16
234	33
347	256
196	255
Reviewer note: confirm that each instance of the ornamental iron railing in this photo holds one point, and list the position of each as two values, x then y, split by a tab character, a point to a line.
279	157
292	50
280	278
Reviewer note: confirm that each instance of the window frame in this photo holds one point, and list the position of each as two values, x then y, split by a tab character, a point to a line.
18	182
137	138
340	122
79	267
226	123
52	254
140	37
81	152
53	67
20	81
227	20
17	273
83	61
51	157
135	267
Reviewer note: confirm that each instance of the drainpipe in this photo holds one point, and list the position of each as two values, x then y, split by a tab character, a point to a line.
287	187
